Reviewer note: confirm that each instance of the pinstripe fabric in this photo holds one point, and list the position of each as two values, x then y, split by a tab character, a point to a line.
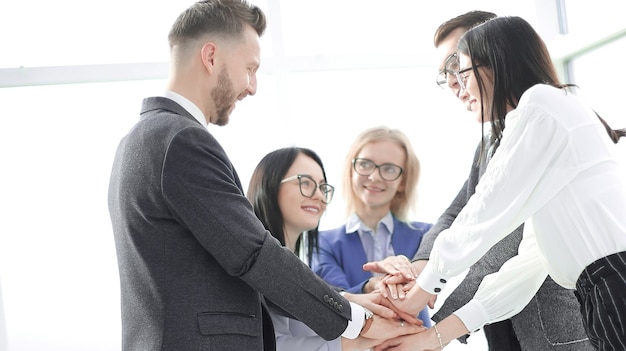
601	291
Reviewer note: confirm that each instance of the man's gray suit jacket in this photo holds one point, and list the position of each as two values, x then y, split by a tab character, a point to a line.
194	260
550	321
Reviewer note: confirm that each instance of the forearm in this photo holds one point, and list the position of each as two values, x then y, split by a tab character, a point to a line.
445	331
505	293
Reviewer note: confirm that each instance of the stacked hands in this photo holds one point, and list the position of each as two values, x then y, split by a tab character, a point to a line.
395	302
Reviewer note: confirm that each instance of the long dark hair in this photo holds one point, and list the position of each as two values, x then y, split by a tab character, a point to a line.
263	194
519	59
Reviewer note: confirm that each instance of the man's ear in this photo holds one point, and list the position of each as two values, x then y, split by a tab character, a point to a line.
208	55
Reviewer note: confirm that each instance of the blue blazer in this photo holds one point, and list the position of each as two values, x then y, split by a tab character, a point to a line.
341	256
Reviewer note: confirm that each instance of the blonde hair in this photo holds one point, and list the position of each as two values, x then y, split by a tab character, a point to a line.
404	201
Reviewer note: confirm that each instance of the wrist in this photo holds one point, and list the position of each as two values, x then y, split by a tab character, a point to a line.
364	287
439	338
367	322
370	285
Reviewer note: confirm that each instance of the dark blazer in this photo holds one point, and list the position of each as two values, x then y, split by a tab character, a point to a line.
194	260
550	321
341	256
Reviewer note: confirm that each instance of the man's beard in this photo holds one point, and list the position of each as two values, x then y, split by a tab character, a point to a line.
223	97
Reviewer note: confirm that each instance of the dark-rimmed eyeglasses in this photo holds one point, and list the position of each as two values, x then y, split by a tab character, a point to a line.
462	75
387	171
450	67
308	187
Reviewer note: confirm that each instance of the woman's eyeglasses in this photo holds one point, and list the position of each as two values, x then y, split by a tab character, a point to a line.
308	187
462	75
387	171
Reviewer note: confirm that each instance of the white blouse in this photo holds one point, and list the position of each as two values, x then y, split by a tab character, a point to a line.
553	171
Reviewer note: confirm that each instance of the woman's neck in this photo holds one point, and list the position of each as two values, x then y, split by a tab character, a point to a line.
371	216
290	239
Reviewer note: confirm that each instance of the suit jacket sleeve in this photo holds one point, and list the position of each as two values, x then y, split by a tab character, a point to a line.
328	263
204	193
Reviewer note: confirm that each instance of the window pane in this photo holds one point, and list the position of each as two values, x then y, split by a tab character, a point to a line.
598	16
77	32
370	27
604	96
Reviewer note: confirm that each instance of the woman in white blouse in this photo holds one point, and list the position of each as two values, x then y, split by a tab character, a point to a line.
552	169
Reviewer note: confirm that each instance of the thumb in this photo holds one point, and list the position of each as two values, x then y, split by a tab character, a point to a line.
372	267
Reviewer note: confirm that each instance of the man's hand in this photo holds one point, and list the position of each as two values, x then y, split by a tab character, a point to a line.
397	287
411	342
360	343
393	265
449	329
400	272
378	304
385	328
416	300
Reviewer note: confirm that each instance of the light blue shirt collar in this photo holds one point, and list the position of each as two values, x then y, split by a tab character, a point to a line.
376	243
355	225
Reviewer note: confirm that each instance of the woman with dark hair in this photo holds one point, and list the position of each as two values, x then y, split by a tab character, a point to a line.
289	193
265	189
552	168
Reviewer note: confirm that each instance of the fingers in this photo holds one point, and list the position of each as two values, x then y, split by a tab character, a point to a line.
373	301
406	287
387	345
373	267
390	285
407	317
399	264
401	343
383	309
431	302
404	267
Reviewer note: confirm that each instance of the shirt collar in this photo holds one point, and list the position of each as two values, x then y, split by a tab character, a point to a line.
187	105
354	224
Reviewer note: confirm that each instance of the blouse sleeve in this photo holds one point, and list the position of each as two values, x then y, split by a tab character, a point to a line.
531	165
503	294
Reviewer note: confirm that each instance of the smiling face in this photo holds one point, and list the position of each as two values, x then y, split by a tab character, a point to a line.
374	192
471	95
236	75
446	48
300	213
